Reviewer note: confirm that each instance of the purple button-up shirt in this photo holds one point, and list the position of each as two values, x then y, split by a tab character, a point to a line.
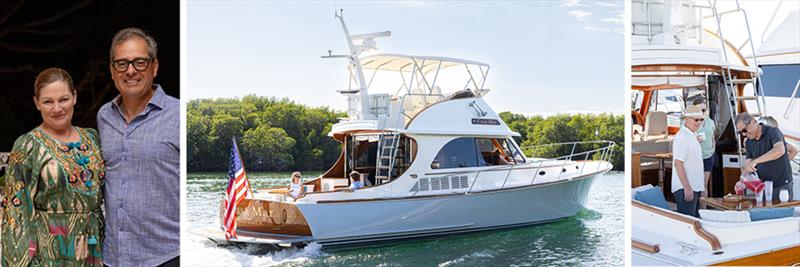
142	187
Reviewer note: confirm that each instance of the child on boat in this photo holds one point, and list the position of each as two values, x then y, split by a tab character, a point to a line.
355	181
296	186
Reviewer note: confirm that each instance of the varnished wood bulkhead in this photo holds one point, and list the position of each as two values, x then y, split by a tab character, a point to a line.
268	217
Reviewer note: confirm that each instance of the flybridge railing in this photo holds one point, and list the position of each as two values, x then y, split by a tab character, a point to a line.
604	148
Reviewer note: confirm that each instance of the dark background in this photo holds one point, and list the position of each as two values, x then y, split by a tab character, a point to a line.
75	36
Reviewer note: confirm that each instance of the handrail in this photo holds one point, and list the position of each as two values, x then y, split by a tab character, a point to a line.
695	223
791	99
650	248
609	145
605	151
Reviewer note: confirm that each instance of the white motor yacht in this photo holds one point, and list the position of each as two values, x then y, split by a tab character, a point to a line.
434	162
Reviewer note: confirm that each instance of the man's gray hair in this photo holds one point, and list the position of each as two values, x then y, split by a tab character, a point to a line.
130	33
744	117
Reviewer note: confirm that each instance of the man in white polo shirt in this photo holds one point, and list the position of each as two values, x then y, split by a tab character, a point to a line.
687	162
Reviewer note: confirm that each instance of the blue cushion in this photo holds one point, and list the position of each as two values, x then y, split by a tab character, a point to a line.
653	197
770	213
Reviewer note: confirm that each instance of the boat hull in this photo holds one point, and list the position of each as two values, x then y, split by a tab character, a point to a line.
359	221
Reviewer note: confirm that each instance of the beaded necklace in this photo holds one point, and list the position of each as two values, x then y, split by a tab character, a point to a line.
82	166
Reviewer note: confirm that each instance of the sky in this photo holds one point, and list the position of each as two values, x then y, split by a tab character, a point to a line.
546	57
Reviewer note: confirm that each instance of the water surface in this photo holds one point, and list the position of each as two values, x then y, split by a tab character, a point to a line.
593	237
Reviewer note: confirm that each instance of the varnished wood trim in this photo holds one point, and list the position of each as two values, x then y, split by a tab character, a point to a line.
782	257
459	193
256	215
698	228
791	137
652	249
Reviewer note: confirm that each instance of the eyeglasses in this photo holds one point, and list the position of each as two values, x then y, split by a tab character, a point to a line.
699	120
139	64
744	129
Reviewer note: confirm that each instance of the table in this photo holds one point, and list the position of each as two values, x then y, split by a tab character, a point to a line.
746	204
661	157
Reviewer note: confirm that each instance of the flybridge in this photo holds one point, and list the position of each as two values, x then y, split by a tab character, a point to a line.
402	85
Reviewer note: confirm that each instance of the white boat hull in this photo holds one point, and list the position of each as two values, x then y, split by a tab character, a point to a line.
379	220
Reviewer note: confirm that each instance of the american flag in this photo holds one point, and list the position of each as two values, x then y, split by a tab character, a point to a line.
238	189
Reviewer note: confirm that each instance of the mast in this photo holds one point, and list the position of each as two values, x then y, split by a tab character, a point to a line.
353	58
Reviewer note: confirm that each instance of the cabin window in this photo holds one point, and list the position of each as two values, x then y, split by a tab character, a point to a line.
473	152
458	153
780	80
515	153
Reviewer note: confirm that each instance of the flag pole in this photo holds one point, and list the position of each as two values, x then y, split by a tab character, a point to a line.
250	187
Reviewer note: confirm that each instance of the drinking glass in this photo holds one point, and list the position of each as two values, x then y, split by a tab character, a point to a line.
760	197
768	191
784	195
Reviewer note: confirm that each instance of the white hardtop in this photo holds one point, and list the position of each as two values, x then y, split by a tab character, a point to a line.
400	62
387	91
644	55
783	44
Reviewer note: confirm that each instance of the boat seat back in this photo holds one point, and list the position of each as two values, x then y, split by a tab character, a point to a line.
655	125
742	232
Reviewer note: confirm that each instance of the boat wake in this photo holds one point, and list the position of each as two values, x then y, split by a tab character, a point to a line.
249	255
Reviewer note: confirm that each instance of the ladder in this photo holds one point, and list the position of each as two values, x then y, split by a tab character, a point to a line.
731	83
387	151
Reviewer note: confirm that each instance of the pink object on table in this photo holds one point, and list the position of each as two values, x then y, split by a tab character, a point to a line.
757	186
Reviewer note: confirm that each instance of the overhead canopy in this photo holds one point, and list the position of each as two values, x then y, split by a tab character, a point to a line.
662	83
783	44
398	62
679	58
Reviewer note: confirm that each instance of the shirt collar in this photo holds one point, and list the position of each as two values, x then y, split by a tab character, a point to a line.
157	100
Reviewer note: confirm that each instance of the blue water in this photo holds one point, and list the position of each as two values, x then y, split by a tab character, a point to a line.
593	237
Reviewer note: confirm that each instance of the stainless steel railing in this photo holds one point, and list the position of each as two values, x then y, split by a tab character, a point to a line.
585	149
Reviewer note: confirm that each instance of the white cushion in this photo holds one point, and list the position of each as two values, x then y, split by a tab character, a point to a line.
724	216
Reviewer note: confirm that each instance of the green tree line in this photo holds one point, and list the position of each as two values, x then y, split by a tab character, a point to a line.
561	128
280	135
272	134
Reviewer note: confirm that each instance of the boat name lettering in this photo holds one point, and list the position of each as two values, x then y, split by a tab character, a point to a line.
485	121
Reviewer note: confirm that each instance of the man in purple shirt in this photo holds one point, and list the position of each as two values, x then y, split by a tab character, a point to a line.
139	133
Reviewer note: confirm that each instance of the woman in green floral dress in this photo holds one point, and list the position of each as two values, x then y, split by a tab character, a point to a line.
51	194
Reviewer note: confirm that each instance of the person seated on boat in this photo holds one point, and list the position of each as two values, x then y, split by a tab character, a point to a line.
766	153
355	181
296	188
687	163
497	157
